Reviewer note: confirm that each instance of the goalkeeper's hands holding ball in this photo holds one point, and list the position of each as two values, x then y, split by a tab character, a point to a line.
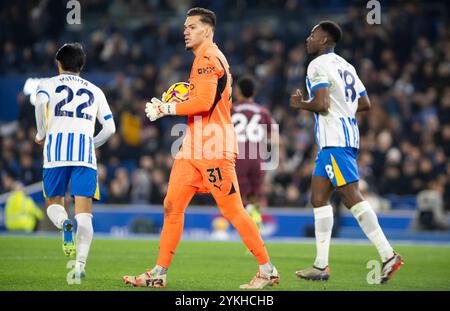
158	108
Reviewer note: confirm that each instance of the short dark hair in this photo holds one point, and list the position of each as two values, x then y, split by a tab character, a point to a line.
247	86
332	29
71	56
207	16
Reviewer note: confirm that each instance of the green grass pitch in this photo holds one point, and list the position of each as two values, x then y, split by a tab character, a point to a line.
37	263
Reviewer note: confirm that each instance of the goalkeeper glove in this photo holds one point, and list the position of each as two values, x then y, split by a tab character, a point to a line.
157	108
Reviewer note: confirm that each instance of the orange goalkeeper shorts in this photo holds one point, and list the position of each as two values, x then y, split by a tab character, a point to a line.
217	176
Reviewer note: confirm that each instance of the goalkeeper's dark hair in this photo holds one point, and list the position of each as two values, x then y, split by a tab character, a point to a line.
333	29
206	16
71	56
247	86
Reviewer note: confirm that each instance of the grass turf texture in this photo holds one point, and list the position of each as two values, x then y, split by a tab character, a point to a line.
37	263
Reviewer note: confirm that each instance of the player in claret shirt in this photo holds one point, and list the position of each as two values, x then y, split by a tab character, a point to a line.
253	125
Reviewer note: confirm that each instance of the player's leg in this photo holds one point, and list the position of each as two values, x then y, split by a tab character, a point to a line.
220	177
58	215
256	179
84	187
321	190
56	211
343	161
233	210
181	189
366	217
85	232
243	180
368	221
55	182
175	203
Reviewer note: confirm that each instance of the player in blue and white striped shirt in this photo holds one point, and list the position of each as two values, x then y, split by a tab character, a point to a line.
336	94
67	107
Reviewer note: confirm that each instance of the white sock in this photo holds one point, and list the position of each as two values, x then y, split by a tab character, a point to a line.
266	268
79	266
57	215
323	224
85	232
368	222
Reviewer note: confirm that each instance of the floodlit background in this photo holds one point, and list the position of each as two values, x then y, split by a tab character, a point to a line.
135	50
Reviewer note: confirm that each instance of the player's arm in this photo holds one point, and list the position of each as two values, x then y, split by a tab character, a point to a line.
274	140
320	102
201	96
363	98
203	99
105	117
363	103
318	84
40	106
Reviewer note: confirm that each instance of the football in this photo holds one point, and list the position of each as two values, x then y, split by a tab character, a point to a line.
177	93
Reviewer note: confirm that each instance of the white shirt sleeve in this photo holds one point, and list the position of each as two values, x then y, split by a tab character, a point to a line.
105	117
42	99
317	76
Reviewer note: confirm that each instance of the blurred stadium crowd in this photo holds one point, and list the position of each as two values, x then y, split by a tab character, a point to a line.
404	63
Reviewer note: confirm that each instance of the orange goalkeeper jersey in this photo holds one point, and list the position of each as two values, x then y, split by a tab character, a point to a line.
210	130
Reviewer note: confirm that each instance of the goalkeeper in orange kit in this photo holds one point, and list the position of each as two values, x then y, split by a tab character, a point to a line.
206	161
